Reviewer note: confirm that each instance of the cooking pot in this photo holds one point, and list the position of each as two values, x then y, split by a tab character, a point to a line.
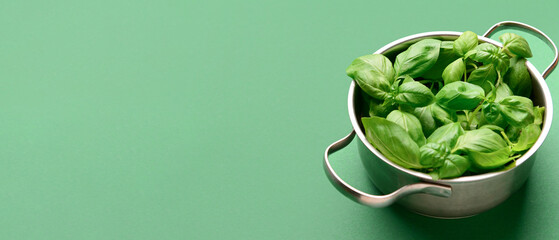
452	198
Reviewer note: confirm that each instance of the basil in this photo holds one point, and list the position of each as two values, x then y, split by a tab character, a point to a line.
446	56
454	71
418	58
433	155
454	166
392	141
409	123
466	42
518	78
490	54
483	76
425	117
517	111
516	45
414	94
460	96
373	73
528	136
484	147
447	134
450	108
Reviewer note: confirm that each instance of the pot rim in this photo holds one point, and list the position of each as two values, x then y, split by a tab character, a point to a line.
546	125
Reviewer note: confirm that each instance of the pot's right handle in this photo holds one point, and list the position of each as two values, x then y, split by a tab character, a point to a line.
376	200
551	66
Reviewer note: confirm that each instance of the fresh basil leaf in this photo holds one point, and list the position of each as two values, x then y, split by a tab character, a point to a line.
477	121
516	44
538	115
484	147
490	160
447	134
528	136
426	119
446	56
433	155
381	109
460	96
392	141
414	94
512	133
492	114
454	166
409	123
482	76
373	73
489	54
518	78
479	140
434	175
441	115
407	79
502	92
454	71
418	58
466	42
517	111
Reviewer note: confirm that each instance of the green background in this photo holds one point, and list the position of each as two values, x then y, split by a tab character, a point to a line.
208	120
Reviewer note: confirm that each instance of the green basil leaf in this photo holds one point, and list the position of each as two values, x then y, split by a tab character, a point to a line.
446	56
466	42
433	155
460	96
414	94
538	115
477	121
482	76
454	71
462	120
454	166
418	58
502	92
512	133
490	160
489	54
426	119
479	140
528	136
442	116
493	128
516	44
446	135
517	111
407	79
392	141
518	78
484	147
373	73
409	123
381	108
492	114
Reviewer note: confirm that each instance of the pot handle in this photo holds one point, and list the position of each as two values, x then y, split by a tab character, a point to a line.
540	34
375	200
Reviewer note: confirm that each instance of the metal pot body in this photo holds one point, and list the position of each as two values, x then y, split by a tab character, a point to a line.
470	195
453	198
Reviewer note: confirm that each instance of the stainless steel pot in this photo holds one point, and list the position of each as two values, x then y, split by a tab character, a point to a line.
454	198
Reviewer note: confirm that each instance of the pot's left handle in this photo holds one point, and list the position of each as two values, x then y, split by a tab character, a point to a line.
375	200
